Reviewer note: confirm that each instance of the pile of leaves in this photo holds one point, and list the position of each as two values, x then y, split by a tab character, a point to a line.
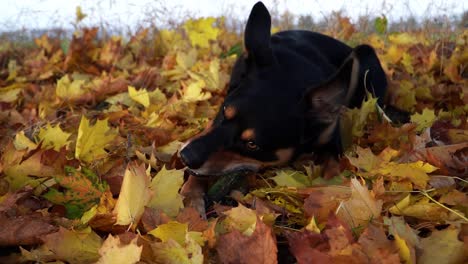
90	128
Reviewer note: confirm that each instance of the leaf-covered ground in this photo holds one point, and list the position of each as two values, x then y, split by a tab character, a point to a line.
89	129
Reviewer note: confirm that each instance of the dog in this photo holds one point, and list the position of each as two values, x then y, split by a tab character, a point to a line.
284	99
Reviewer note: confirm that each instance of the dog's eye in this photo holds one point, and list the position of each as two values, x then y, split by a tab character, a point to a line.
251	145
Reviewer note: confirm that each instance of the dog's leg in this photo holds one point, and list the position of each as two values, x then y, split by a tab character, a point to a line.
193	191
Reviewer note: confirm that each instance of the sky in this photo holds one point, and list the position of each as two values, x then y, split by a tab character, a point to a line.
43	14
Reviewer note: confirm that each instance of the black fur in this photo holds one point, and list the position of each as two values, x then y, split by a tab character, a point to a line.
289	88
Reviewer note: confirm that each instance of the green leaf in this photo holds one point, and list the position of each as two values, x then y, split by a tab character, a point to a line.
380	24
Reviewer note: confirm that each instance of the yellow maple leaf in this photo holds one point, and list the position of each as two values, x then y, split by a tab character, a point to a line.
168	40
443	246
407	61
193	92
10	93
201	31
423	208
134	195
291	178
425	119
23	142
92	140
403	39
166	185
53	137
406	95
415	171
141	96
67	89
71	246
370	166
184	63
186	59
393	54
21	169
214	78
165	153
242	219
367	161
357	118
172	230
171	252
114	251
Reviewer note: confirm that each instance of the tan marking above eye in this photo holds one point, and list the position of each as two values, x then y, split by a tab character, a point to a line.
230	112
248	134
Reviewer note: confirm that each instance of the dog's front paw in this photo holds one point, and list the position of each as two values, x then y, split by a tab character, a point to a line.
194	192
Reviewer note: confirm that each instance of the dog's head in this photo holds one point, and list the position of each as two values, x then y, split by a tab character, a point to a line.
276	103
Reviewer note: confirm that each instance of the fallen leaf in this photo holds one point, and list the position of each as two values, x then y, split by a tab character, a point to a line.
172	252
361	209
141	96
134	195
25	230
443	247
424	120
79	191
406	239
261	244
22	142
241	219
291	178
114	251
72	246
92	140
165	186
201	31
53	137
378	247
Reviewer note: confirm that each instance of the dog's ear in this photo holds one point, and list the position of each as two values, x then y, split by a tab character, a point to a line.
325	102
257	35
328	98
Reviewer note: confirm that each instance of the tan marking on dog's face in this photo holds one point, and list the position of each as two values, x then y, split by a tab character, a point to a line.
248	134
230	112
284	155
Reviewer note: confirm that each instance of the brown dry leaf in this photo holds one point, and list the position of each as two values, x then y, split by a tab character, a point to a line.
308	247
192	217
321	202
451	159
362	208
378	247
261	245
25	230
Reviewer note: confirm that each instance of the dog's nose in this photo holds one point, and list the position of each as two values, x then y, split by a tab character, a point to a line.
190	158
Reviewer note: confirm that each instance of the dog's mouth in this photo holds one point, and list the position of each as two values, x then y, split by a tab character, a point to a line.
239	169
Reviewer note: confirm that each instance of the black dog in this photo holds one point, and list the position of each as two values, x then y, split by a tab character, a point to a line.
284	99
